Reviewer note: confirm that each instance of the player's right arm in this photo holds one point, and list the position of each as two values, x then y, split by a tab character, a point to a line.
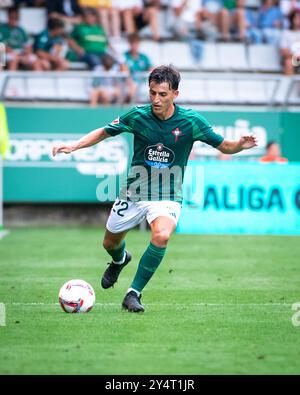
119	125
92	138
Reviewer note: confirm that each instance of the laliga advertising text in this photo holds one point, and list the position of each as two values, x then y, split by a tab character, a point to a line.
151	384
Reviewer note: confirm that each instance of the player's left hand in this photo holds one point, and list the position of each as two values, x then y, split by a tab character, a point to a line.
247	142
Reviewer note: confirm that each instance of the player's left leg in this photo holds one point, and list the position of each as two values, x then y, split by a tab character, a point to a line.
162	218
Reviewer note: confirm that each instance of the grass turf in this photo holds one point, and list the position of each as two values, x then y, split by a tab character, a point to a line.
217	305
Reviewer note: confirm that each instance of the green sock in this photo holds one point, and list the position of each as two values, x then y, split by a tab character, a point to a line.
117	254
147	266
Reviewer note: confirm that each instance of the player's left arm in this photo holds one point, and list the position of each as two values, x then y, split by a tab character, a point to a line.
233	147
204	132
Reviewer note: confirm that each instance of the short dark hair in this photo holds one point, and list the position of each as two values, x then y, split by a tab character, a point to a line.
89	11
55	23
165	74
13	10
107	60
133	37
292	16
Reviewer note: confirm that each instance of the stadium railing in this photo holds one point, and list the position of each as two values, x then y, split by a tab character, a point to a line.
196	88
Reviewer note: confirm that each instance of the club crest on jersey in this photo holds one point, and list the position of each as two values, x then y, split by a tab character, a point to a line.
116	121
159	156
176	133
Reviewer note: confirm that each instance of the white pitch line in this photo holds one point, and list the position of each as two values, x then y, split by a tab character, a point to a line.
3	233
2	314
159	304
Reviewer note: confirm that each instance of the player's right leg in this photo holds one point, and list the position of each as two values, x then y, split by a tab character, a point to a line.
114	244
124	216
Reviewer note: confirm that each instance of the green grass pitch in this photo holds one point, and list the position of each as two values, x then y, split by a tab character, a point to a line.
216	305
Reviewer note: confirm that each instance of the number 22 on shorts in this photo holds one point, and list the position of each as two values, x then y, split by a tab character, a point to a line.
119	207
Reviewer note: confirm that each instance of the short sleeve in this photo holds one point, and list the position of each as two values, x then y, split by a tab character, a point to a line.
122	124
203	131
41	42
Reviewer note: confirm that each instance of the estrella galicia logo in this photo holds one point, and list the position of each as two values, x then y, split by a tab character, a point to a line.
159	156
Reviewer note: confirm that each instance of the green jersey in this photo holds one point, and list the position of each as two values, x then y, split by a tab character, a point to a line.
13	37
136	65
161	150
45	42
230	4
91	38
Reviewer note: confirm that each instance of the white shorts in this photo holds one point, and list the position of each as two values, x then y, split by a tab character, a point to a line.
126	215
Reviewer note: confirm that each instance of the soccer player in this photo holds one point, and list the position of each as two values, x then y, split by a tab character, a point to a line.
164	134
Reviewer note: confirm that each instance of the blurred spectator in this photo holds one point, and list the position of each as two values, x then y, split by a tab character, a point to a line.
107	85
51	47
88	40
67	10
233	18
211	18
187	17
18	46
270	21
110	18
273	154
137	14
136	62
290	44
109	15
287	6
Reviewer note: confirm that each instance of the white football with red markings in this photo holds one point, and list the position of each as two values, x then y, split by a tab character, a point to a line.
76	296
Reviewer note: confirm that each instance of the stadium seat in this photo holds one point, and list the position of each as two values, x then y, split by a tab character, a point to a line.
179	54
33	20
73	89
44	88
210	58
142	95
264	58
152	50
233	56
221	91
78	66
253	92
192	91
15	89
120	46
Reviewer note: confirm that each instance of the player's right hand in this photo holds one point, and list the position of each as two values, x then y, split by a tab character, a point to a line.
66	149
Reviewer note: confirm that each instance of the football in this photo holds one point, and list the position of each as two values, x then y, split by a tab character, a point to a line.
76	296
